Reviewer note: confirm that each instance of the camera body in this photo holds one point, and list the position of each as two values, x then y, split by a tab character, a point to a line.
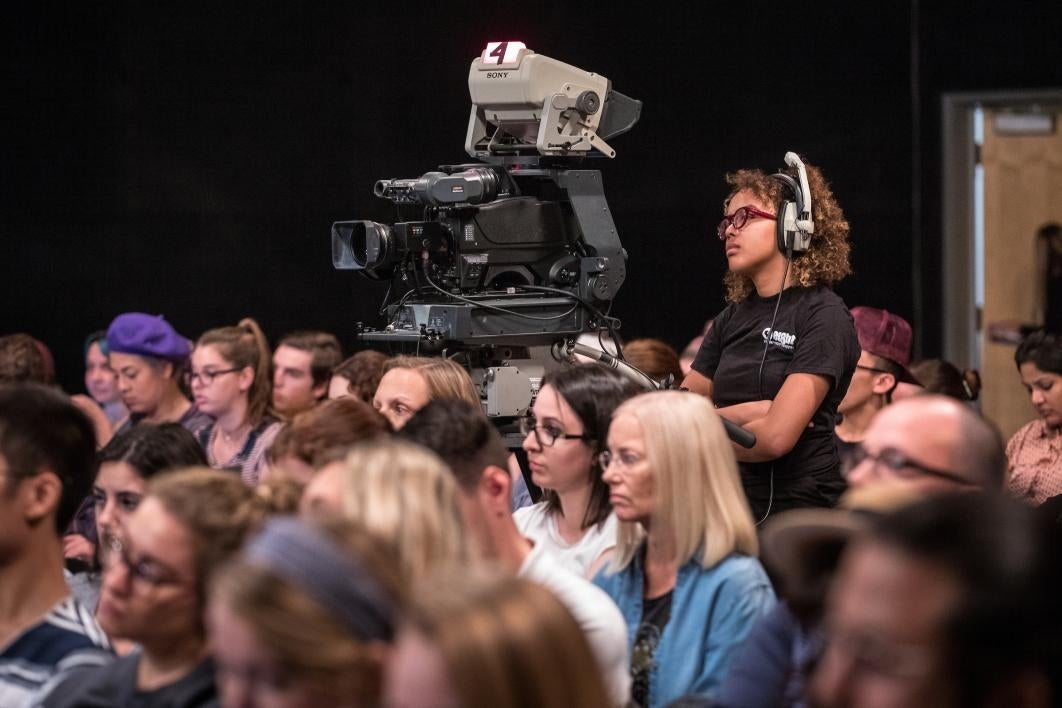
512	255
517	239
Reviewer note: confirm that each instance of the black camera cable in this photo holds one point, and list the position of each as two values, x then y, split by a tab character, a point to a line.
611	323
524	315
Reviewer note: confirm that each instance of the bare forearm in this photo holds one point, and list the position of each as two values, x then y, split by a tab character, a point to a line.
767	447
744	413
785	419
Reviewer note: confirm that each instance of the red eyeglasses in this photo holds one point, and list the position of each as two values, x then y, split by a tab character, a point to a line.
739	218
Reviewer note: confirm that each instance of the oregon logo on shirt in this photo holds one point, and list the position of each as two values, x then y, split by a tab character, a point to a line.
780	339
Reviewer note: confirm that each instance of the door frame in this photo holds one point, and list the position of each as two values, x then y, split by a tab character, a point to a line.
961	329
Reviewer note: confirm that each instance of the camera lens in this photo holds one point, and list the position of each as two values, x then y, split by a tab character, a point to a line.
361	245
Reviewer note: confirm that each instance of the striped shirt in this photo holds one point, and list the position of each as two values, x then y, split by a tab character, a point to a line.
67	638
251	457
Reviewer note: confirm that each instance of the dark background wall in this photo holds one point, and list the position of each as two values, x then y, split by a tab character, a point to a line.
190	161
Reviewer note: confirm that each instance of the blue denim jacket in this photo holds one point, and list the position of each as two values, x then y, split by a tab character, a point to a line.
712	611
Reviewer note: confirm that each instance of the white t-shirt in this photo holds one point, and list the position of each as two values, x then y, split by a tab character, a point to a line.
594	612
537	524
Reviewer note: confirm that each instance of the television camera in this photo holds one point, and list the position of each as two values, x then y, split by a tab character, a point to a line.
514	255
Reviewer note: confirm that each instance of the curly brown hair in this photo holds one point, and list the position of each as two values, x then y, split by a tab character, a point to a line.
826	260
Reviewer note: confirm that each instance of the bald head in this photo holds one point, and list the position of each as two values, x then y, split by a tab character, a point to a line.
934	443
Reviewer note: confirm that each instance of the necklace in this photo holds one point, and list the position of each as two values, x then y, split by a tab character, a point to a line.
228	444
229	437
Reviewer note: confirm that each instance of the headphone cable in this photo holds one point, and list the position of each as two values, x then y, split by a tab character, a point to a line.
763	359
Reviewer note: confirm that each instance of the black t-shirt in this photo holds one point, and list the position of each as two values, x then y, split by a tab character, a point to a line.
813	334
656	612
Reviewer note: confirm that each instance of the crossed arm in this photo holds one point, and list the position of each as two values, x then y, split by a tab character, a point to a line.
777	424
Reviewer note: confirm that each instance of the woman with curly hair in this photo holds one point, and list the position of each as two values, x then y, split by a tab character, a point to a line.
780	356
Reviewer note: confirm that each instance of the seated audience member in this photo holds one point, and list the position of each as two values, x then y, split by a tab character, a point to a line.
1034	453
403	494
655	358
316	436
187	526
150	359
24	359
801	548
564	435
930	442
474	452
124	468
47	451
230	381
101	381
358	376
409	383
485	639
950	602
302	365
943	377
684	572
300	619
885	350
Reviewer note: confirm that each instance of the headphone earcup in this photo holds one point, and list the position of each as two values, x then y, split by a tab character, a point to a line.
786	213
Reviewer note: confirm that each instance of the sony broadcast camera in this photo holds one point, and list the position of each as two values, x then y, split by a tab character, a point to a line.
515	255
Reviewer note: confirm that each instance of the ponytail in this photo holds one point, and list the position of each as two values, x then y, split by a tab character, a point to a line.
261	393
242	346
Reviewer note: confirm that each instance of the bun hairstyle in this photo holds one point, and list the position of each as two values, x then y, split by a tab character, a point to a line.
943	377
218	510
242	346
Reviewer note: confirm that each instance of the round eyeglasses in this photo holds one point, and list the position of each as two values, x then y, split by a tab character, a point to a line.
621	460
739	218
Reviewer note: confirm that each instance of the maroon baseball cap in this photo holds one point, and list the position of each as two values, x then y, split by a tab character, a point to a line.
884	334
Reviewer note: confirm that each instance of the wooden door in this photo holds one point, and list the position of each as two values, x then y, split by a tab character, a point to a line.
1023	191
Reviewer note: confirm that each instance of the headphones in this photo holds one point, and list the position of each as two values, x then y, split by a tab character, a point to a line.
795	225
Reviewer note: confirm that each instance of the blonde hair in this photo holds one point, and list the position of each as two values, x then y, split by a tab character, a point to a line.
445	378
406	495
699	497
304	639
246	346
507	642
826	260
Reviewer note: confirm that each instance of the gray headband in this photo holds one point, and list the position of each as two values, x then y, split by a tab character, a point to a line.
307	559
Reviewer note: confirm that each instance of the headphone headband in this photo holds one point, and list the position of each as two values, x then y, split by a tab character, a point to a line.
791	238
